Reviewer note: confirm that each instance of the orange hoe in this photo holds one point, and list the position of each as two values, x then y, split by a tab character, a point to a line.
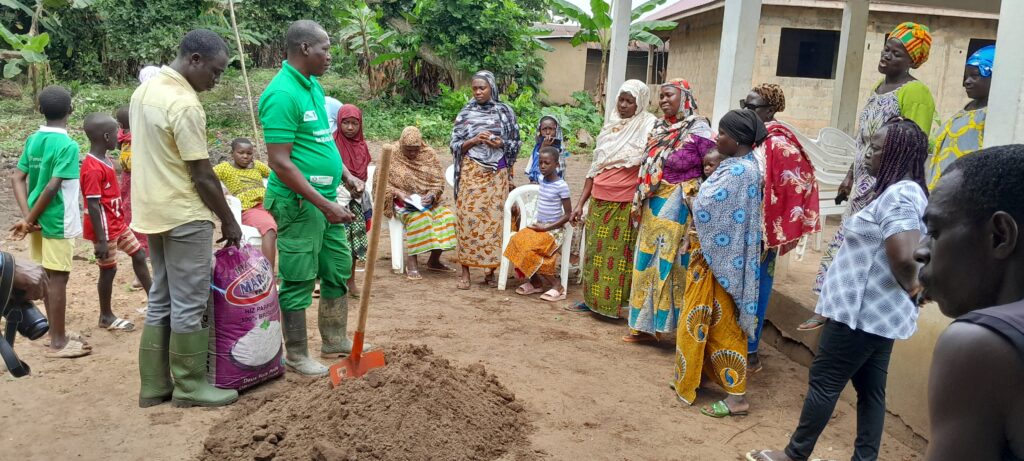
357	363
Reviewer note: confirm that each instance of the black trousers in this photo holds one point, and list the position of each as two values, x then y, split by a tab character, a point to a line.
845	354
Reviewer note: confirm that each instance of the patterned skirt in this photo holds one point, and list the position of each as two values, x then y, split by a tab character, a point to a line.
608	267
659	271
710	340
356	230
532	252
478	212
428	230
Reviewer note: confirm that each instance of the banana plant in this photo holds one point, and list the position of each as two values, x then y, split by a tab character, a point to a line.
363	36
596	27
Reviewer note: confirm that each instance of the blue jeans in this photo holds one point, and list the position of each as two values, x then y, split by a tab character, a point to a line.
764	294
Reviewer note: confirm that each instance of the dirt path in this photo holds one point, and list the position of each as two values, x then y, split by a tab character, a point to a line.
589	395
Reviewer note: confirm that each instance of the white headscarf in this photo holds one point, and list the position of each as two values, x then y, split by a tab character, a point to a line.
147	73
622	141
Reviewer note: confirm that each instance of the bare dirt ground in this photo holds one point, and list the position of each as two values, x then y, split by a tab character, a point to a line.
588	394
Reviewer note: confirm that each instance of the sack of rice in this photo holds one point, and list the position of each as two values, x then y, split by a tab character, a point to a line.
245	328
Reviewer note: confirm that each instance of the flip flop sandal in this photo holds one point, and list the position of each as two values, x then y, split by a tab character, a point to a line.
413	275
578	307
760	366
553	295
811	324
73	349
720	410
462	284
72	336
120	324
442	269
640	338
527	289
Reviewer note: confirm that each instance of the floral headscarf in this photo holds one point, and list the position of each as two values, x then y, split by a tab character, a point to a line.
687	103
916	39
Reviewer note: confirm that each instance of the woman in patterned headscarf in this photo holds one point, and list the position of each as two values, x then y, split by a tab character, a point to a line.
898	94
609	188
415	170
962	133
723	274
485	143
669	175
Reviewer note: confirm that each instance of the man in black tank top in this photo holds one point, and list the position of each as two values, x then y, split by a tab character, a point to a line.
973	261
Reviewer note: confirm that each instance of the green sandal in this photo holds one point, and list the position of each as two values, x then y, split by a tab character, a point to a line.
720	410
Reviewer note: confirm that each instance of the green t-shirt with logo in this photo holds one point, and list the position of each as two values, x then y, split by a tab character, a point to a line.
51	153
292	111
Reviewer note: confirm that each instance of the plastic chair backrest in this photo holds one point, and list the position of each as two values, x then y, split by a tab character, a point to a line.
370	171
526	197
236	207
449	175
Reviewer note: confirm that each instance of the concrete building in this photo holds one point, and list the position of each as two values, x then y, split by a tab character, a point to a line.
824	54
798	48
569	69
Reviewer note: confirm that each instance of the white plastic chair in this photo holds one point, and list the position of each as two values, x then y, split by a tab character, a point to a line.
831	154
396	229
526	198
250	234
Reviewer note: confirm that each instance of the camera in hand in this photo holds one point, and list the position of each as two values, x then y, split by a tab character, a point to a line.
21	317
24	317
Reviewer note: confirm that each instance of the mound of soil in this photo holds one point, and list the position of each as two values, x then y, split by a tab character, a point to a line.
418	407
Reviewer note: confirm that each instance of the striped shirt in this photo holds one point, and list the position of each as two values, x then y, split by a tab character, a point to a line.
549	202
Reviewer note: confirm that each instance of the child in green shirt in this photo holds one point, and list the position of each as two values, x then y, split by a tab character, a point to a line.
46	188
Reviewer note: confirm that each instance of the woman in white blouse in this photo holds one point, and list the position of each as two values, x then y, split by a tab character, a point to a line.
870	295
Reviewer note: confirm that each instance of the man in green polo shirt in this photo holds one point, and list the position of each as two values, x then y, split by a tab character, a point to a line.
301	195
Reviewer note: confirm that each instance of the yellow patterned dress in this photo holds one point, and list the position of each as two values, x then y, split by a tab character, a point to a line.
708	341
960	135
659	268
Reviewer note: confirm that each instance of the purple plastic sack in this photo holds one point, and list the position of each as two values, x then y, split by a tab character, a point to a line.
245	328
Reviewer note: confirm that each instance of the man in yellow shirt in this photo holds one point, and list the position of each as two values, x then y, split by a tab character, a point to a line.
174	197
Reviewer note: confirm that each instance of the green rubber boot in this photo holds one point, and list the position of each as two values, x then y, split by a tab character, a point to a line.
154	370
296	345
332	319
188	366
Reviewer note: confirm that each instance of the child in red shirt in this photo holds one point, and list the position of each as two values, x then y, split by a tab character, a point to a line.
104	222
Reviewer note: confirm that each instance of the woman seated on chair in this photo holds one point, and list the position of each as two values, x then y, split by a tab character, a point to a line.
532	250
243	177
415	195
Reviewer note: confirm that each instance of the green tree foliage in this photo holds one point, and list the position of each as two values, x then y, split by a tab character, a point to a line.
452	39
110	40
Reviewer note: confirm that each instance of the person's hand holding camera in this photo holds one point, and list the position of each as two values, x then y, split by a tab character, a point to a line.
30	278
